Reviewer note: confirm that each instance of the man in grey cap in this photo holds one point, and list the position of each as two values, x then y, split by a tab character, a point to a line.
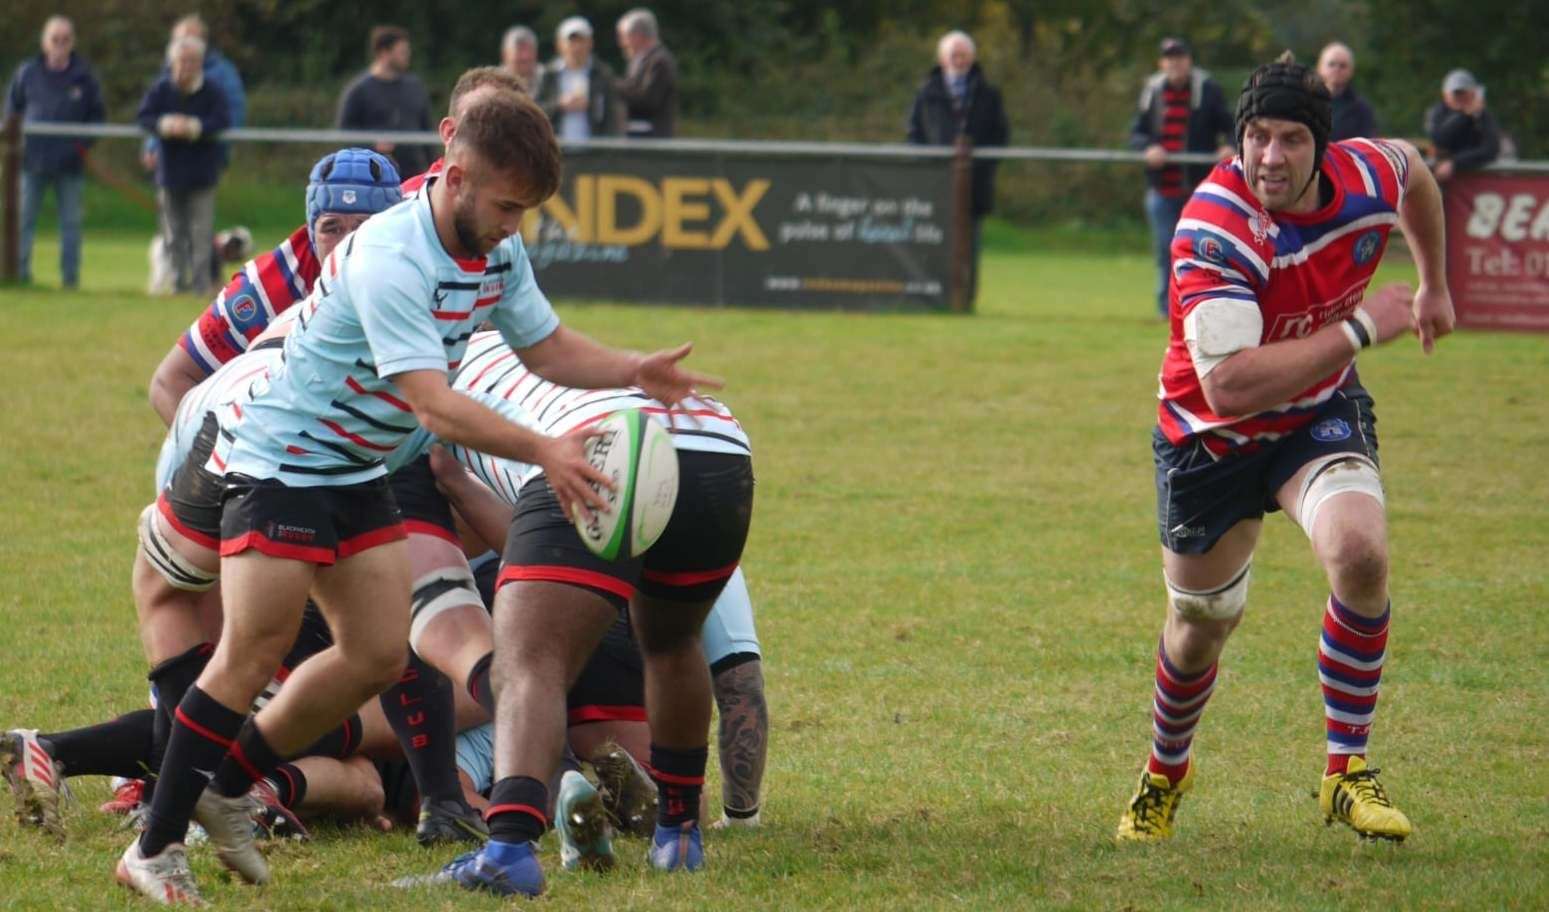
1464	133
576	90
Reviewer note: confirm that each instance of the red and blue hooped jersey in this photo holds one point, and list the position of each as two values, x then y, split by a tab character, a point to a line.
267	286
1303	271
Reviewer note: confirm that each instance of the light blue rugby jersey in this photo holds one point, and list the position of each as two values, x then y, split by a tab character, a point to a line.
390	300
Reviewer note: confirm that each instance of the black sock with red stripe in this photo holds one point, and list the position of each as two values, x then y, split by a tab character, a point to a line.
202	732
478	684
120	747
250	760
421	712
339	743
516	810
171	678
290	784
680	778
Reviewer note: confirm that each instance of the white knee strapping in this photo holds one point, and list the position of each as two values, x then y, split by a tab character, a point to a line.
177	570
442	589
1345	473
1220	604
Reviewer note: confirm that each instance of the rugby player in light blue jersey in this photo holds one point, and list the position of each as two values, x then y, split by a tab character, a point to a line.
306	506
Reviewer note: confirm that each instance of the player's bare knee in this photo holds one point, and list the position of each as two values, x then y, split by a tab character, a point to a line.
378	666
1357	560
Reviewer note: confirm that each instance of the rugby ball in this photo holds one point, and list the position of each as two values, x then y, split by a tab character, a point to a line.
638	455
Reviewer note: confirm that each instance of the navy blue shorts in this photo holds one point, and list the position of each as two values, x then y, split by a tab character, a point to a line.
1198	498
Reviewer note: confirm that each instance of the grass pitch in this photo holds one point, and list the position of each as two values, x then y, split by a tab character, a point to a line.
954	562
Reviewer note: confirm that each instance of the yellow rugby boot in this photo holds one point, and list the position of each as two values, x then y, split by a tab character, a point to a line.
1355	797
1149	817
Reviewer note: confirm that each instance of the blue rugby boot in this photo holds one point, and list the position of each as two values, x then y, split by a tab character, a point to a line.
679	848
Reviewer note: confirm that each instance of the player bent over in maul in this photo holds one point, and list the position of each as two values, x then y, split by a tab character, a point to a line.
556	600
1261	410
306	506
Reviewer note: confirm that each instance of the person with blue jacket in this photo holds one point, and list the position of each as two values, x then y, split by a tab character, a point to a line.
186	112
56	86
218	71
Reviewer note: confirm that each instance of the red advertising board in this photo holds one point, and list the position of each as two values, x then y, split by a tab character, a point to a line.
1498	250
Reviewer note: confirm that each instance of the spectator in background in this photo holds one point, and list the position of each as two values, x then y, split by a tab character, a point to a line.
649	88
57	86
186	112
220	72
1181	110
956	100
388	97
577	88
519	57
1353	115
1464	133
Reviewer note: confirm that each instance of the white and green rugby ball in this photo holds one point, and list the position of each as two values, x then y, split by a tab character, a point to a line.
638	455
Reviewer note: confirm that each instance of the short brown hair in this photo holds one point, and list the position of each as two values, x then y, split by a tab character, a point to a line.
510	133
386	37
478	78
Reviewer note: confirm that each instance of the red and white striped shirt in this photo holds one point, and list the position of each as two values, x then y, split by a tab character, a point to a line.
1303	272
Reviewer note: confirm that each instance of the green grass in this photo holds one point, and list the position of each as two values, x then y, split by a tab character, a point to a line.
955	566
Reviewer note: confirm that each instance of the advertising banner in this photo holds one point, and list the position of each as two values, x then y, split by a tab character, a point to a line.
747	230
1498	250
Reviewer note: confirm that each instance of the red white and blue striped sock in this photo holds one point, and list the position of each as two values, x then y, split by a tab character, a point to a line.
1180	700
1350	656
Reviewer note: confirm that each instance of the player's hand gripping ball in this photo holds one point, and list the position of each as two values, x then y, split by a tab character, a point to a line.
638	455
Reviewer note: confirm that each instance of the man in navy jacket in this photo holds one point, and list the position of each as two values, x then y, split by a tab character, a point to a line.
186	112
56	86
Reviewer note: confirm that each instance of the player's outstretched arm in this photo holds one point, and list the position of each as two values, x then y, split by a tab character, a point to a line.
574	359
744	736
455	418
175	376
1256	379
1420	217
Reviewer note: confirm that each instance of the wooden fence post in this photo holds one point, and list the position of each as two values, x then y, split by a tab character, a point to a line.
962	226
10	243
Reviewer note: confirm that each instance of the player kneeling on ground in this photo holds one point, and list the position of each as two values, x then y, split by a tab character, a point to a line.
1261	409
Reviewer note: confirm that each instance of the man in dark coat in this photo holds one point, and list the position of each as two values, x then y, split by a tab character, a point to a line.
649	88
956	100
1353	115
186	112
576	90
1181	109
55	86
1462	129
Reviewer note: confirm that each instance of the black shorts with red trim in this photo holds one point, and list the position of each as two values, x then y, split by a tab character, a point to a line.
611	688
696	554
425	509
319	525
191	502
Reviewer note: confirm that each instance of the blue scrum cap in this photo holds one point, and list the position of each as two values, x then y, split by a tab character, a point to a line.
351	180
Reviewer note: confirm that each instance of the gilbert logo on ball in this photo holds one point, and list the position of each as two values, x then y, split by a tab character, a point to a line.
638	455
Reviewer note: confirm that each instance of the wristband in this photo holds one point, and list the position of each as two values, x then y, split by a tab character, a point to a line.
1364	317
1356	333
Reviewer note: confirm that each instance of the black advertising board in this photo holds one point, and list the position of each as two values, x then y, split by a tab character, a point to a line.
747	230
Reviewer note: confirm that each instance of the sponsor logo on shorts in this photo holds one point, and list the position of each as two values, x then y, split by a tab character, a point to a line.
244	308
1330	430
1183	531
289	533
1366	246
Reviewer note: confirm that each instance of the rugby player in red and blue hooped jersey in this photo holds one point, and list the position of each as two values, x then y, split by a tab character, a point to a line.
272	283
1261	410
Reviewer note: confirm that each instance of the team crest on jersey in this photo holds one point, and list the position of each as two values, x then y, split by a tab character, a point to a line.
1330	430
1262	227
492	288
1366	247
244	308
1209	249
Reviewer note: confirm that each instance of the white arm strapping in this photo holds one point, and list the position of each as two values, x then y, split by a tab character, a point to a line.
1218	328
